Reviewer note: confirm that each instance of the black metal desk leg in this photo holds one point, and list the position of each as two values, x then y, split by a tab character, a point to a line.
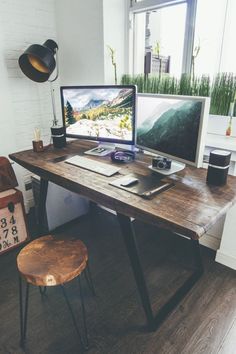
131	246
154	320
198	265
42	204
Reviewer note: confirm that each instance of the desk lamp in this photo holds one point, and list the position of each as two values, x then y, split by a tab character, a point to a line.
38	63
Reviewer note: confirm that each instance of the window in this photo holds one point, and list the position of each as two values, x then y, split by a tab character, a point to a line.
182	36
161	49
160	29
215	37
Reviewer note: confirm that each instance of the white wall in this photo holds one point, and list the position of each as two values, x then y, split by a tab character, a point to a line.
84	29
227	252
7	131
139	44
24	103
83	59
80	39
115	35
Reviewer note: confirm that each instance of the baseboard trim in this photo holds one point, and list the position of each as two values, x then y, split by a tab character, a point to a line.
226	259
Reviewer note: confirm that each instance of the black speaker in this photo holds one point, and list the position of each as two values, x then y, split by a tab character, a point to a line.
218	167
58	137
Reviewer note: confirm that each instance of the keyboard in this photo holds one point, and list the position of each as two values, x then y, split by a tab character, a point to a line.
92	165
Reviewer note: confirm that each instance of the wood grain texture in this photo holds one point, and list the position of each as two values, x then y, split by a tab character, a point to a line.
190	208
50	261
13	225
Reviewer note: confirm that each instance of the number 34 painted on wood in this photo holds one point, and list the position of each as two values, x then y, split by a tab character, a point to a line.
13	231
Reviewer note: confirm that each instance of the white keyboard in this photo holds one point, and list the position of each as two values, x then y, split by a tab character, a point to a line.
92	165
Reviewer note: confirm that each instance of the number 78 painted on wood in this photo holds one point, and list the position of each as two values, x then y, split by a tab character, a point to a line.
13	228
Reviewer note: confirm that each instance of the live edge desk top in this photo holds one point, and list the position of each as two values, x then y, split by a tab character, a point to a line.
190	208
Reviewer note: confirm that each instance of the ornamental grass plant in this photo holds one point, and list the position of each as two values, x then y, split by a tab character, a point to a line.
221	88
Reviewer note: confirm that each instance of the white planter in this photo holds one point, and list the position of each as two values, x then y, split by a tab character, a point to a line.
217	139
218	124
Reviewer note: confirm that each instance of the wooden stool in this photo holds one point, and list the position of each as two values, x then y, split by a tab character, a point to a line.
50	261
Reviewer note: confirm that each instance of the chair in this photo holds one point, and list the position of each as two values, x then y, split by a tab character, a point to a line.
51	261
7	175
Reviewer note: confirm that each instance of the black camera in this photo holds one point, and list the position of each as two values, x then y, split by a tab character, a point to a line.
162	163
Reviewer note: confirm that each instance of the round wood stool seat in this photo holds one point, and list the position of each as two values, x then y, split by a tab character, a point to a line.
49	260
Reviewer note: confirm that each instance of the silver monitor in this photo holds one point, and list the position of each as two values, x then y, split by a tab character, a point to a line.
173	126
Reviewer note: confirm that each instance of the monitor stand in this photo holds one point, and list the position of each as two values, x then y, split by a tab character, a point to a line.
175	167
102	149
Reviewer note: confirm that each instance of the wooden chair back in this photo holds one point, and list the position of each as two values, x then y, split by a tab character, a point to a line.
7	175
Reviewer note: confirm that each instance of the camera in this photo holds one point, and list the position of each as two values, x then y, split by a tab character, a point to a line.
162	163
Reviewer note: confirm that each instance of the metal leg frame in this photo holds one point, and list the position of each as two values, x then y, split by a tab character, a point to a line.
42	290
153	320
42	205
23	311
89	280
83	341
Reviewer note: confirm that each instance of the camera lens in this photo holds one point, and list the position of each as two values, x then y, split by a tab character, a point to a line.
161	165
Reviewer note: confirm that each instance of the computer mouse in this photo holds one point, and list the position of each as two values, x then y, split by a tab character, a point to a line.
129	181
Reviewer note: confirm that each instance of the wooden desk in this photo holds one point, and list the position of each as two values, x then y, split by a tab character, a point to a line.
190	208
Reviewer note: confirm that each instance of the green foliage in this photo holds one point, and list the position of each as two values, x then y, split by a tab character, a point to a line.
70	119
168	131
223	92
185	85
157	48
113	61
125	122
221	89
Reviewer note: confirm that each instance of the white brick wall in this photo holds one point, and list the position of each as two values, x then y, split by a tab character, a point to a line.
23	23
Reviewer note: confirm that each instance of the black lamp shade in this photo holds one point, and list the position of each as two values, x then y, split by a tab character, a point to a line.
38	62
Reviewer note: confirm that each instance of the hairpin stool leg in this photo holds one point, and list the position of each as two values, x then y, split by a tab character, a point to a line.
84	345
42	290
83	313
89	280
23	311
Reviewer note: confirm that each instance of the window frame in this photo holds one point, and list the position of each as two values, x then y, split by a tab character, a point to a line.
146	5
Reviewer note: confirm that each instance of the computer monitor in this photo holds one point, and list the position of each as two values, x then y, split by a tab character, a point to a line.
100	113
172	126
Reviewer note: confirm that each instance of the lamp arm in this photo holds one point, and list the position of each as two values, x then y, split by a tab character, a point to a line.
55	120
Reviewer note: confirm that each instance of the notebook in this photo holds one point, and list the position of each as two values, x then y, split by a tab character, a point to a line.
146	186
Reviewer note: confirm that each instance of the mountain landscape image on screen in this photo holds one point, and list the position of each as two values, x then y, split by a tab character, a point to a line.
172	129
100	112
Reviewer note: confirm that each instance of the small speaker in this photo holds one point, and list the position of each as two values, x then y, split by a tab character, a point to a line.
58	137
218	167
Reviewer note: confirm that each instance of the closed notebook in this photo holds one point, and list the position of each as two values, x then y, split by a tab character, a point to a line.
147	186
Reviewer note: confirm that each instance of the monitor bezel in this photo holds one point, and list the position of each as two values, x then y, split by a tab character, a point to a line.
95	138
201	133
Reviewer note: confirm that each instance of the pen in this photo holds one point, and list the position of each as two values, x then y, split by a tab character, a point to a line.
155	190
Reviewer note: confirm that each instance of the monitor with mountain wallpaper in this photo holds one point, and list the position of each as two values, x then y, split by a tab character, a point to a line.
100	113
172	126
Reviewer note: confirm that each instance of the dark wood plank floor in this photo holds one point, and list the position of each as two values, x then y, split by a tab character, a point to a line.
205	322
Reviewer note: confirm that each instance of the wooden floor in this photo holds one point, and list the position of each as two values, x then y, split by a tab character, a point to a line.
205	322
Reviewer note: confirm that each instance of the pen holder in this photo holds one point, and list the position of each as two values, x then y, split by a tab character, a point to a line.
38	146
58	136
